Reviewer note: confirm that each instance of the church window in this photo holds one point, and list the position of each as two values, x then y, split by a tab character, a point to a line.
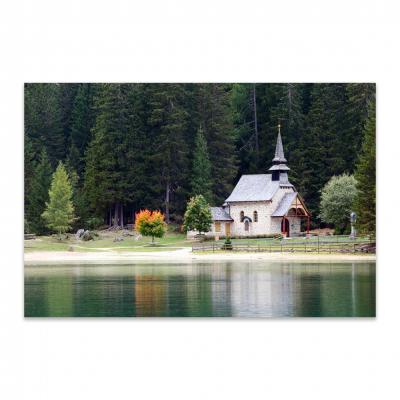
255	216
241	216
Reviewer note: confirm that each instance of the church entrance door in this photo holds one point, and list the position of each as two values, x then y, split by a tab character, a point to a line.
285	227
227	229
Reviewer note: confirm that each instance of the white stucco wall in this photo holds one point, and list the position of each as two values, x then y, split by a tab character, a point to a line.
213	232
265	225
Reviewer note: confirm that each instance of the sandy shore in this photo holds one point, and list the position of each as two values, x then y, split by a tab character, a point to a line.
182	255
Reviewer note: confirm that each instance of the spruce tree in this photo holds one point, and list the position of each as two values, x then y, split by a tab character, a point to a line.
167	122
365	174
106	162
214	108
43	120
81	121
39	194
201	172
59	212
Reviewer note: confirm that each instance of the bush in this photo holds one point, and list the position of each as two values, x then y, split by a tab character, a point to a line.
227	244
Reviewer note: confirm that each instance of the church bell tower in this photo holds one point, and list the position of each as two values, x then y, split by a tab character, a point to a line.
279	169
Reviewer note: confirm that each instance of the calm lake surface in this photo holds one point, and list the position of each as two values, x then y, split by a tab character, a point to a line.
212	289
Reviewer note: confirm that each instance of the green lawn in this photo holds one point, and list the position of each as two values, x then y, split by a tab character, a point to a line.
171	241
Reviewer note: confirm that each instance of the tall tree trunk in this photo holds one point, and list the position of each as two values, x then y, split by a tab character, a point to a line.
109	217
122	215
255	121
116	215
167	194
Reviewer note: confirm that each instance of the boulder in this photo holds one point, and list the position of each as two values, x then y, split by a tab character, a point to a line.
87	235
118	239
79	233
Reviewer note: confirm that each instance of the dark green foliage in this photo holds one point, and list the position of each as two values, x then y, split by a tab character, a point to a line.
167	123
133	146
81	122
201	171
38	195
215	117
43	120
366	176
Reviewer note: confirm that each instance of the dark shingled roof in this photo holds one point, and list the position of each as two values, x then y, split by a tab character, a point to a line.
219	214
284	205
279	156
257	187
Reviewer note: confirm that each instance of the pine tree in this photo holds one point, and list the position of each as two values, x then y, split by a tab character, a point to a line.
106	175
59	212
43	120
167	122
365	174
81	122
323	145
201	172
215	117
359	95
39	194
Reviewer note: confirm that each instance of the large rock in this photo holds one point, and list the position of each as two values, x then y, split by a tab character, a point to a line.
87	235
79	233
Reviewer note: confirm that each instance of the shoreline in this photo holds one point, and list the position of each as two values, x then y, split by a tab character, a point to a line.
181	256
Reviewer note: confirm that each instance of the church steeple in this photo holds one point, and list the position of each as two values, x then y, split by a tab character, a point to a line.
279	168
279	155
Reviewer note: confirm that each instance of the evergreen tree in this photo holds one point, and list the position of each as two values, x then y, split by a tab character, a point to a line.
106	179
323	147
245	119
167	122
201	172
81	121
59	212
365	174
359	95
43	120
39	194
215	117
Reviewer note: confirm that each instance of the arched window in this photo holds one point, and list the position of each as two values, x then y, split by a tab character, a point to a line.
241	216
255	216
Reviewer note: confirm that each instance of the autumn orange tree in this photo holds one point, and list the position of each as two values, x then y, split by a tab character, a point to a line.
150	223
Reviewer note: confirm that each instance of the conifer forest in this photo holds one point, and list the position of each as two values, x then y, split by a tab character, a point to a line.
130	146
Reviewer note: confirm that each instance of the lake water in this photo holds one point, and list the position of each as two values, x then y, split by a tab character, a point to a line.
213	289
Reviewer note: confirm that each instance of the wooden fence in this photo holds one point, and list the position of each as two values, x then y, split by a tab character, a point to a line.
310	245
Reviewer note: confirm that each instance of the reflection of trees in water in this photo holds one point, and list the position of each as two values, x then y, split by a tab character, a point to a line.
337	291
209	289
150	296
35	299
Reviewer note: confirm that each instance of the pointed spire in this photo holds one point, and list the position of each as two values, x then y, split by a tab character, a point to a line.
279	155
